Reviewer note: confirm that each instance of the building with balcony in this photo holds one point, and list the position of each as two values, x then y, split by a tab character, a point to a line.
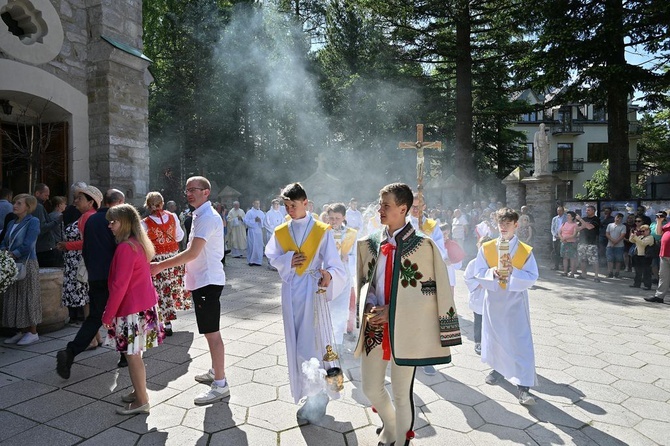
577	139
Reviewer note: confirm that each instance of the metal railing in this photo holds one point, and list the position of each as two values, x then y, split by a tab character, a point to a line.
576	165
570	127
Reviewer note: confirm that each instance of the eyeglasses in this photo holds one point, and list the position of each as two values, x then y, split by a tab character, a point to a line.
111	222
191	190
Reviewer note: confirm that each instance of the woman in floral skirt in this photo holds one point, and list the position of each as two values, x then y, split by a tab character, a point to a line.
87	200
165	233
131	316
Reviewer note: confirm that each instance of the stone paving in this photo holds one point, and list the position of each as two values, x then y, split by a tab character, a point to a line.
603	357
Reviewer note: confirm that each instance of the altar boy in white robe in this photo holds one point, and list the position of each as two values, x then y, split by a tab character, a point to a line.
507	341
343	307
303	251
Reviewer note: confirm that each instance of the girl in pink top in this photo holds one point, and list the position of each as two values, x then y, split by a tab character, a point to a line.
131	315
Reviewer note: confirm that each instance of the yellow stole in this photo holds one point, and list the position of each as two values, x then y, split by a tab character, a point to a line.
314	216
347	242
309	246
518	261
428	226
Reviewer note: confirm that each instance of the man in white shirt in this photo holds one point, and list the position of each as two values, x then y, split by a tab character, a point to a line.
354	217
205	279
556	224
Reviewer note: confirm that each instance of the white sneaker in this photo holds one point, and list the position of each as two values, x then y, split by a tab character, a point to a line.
525	397
214	394
429	370
206	378
14	339
29	338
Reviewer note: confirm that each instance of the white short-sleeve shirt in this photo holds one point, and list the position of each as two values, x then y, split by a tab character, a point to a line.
206	269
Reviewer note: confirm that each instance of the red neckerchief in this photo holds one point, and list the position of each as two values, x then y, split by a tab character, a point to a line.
387	250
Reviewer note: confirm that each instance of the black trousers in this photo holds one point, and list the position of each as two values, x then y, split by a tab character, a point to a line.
642	267
98	294
478	328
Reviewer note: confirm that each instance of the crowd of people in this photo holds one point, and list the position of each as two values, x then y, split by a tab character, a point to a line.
367	268
617	241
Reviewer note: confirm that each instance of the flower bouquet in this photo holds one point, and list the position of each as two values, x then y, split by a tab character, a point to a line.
8	271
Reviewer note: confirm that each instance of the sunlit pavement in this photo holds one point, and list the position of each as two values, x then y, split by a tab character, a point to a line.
603	366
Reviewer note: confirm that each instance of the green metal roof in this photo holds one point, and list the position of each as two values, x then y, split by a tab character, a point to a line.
126	48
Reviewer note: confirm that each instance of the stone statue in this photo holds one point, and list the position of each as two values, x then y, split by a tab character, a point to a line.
541	146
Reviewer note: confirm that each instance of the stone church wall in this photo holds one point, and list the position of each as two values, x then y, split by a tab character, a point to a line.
112	76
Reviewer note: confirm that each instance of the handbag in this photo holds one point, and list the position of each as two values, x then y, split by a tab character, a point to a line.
653	251
82	272
21	271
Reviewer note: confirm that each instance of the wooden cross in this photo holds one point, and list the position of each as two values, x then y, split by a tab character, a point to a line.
419	145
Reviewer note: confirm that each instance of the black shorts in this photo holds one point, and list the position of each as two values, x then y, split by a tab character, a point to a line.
207	307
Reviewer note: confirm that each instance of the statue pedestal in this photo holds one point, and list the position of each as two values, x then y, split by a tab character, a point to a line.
54	315
515	189
541	197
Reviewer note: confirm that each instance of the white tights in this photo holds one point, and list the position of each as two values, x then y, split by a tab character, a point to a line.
399	419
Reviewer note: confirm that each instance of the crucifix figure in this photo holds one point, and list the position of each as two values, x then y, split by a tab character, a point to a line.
419	145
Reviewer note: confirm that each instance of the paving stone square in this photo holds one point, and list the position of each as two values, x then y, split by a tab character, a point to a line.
602	354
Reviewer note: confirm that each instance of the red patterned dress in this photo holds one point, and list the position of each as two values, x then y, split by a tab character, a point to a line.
165	236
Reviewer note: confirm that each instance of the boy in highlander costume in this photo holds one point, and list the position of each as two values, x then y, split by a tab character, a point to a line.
409	314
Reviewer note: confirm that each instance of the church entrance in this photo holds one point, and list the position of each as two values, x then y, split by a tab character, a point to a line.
32	153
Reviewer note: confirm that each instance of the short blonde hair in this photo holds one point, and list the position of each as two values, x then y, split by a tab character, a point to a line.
29	200
204	182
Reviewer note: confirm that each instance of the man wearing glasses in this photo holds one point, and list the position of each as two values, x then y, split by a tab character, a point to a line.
205	279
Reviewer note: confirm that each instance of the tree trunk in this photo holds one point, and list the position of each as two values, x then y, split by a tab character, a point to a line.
463	156
617	103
